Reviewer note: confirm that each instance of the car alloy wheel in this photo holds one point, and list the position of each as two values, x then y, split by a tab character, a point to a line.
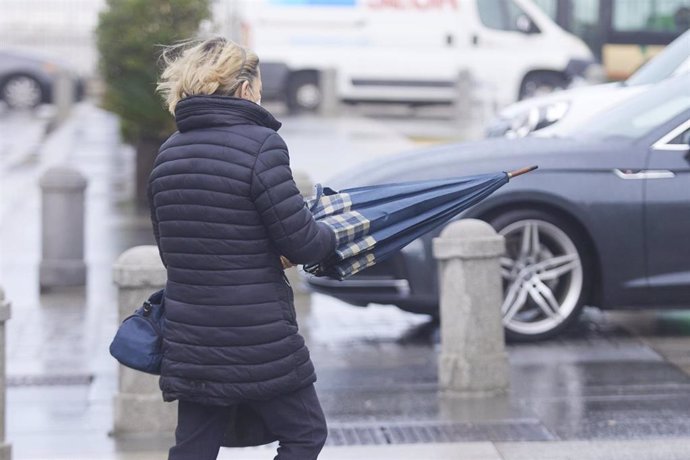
543	278
22	92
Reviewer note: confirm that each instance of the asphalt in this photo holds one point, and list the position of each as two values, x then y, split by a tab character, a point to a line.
616	387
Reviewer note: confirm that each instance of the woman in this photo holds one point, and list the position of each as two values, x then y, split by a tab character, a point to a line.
228	218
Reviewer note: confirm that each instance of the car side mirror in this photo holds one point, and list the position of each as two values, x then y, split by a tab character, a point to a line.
524	24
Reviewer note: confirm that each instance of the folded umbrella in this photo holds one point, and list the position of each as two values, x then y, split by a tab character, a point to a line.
372	223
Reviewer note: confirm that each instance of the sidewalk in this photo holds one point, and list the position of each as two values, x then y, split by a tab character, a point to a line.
601	392
666	449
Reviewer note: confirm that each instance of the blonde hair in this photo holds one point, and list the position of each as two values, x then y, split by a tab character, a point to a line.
210	66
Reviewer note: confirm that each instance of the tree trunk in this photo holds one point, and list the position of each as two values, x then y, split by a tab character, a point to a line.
146	151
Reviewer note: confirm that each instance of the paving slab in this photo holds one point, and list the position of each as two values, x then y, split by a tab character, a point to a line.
454	451
660	449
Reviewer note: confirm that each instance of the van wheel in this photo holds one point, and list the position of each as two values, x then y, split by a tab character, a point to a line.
541	83
304	92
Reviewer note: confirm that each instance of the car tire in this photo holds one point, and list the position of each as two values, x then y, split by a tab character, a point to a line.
22	92
546	274
541	83
303	92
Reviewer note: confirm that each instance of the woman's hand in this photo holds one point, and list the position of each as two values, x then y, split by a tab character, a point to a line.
286	263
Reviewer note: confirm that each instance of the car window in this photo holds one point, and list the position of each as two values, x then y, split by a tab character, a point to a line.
672	60
682	139
636	117
491	14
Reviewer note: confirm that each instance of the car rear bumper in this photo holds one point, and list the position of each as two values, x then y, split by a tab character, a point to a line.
377	287
396	287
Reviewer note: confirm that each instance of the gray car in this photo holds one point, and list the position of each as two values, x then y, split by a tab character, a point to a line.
26	81
605	221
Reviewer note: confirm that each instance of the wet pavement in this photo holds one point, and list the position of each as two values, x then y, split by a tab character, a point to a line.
616	377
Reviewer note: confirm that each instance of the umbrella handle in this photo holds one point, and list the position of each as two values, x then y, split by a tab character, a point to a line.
521	171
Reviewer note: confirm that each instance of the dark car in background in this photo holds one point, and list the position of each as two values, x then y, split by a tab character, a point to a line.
605	221
27	81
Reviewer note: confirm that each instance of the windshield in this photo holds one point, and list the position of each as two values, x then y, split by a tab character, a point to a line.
665	63
637	116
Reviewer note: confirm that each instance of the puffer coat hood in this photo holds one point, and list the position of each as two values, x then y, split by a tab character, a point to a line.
224	208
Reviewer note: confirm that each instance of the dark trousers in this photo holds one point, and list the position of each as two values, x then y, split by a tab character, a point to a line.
296	419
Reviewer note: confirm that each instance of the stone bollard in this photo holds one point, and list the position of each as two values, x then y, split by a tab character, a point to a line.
473	360
330	102
138	404
62	228
5	448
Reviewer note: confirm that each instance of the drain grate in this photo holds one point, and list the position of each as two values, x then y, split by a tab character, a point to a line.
356	436
431	432
37	380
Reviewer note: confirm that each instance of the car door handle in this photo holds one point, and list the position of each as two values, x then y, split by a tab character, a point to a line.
644	174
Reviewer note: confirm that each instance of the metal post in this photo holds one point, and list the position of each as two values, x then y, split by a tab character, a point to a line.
463	97
63	95
5	448
473	360
302	295
138	405
62	228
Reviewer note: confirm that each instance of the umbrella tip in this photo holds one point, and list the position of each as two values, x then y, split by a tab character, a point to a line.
521	171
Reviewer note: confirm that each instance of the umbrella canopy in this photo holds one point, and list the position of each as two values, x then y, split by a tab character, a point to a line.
371	223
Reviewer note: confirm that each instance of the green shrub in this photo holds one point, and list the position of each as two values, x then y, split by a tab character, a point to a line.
128	36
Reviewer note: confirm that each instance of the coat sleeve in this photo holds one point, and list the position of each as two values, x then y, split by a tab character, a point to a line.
284	213
154	222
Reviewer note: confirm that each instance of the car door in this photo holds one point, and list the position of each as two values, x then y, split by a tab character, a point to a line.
667	216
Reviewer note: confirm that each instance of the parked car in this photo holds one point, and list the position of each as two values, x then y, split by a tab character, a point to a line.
568	108
407	50
26	81
604	221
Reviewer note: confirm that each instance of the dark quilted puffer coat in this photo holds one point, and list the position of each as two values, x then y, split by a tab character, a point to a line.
224	208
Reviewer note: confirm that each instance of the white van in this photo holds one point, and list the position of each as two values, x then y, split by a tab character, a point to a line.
407	50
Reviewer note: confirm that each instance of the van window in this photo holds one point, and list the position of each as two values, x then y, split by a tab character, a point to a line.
514	12
549	7
500	14
491	14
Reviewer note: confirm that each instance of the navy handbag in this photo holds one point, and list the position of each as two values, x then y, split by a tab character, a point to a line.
137	343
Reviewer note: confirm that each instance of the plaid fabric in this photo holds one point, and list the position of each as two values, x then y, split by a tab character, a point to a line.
328	205
348	227
354	248
350	267
351	229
